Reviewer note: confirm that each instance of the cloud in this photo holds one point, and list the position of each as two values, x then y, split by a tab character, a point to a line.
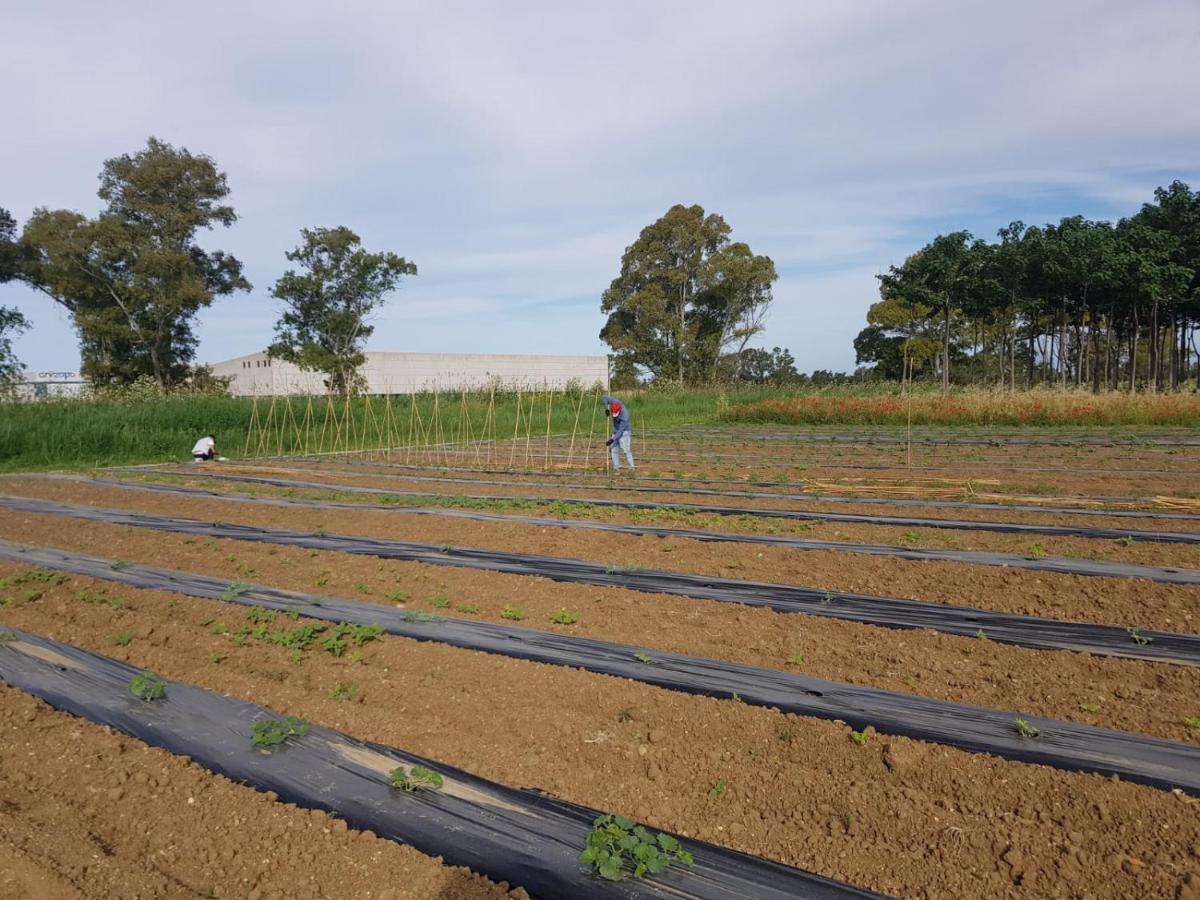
514	150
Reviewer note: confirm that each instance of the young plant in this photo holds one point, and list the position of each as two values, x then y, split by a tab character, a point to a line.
564	617
515	613
148	687
441	600
417	778
795	660
216	657
419	617
234	590
467	608
343	690
260	616
1138	638
1191	721
362	587
7	636
122	638
859	737
396	596
645	659
718	788
617	845
1090	707
625	714
269	732
1025	730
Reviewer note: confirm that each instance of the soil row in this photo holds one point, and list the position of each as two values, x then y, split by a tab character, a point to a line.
87	812
1112	601
891	814
1149	698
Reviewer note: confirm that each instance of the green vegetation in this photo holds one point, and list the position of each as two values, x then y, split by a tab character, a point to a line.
564	617
617	846
467	608
515	613
1090	707
343	690
645	659
859	737
1138	638
148	687
440	601
1025	730
718	788
795	659
418	778
336	640
7	636
121	638
1192	721
269	732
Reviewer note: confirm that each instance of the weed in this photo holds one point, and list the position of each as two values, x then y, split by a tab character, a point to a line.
362	587
218	628
1138	638
859	737
292	612
122	638
1126	541
1025	730
216	657
617	844
298	638
397	596
911	537
7	636
979	634
624	714
335	641
1191	721
31	596
441	601
718	788
260	616
323	579
1090	707
31	576
148	687
564	617
786	733
269	732
234	590
736	697
314	553
415	779
827	599
467	608
795	660
119	565
645	659
343	690
356	657
416	615
516	613
296	657
1036	550
212	545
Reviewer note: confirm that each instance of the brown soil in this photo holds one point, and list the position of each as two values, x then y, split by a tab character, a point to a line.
1151	698
87	812
895	815
1123	602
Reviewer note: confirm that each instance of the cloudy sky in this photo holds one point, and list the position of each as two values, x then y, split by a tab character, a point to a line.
513	150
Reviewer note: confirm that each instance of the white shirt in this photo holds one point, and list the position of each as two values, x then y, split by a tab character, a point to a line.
203	446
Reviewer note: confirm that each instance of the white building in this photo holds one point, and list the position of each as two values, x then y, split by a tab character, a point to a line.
49	385
257	375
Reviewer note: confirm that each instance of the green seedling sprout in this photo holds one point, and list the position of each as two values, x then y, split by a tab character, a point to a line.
1191	721
234	590
645	659
859	737
718	788
1025	730
515	613
418	778
1138	638
617	846
269	732
148	687
468	608
564	617
122	638
7	636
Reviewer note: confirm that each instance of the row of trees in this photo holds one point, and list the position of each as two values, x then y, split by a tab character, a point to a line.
134	277
1080	302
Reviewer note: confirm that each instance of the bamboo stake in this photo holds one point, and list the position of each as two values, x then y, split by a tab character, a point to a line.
252	425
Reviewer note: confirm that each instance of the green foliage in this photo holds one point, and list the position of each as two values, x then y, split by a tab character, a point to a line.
324	327
645	659
417	778
419	617
1090	707
32	576
336	640
397	596
362	587
258	615
859	737
101	597
467	608
121	638
440	601
1138	638
148	687
344	690
795	660
7	636
515	613
270	732
216	657
618	846
1025	730
717	789
564	617
625	714
1192	721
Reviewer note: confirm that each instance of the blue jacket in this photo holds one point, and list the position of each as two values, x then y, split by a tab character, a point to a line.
620	416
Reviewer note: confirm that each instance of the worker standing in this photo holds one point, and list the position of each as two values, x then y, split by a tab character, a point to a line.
620	431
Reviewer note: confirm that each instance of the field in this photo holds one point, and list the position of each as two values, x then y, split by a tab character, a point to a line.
942	662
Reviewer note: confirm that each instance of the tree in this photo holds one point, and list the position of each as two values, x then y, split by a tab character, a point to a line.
685	296
134	277
760	366
11	320
323	327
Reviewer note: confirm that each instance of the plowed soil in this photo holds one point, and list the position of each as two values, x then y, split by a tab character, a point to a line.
896	815
86	812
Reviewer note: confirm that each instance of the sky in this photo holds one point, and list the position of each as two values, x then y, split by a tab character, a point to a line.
514	150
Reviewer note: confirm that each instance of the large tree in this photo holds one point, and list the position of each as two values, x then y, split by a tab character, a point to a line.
11	320
134	278
323	327
686	295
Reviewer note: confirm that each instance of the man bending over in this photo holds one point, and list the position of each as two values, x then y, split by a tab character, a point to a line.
620	431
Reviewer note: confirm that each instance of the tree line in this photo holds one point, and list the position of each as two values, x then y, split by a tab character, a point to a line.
134	277
1080	302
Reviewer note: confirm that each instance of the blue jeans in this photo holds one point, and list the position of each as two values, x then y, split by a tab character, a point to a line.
623	443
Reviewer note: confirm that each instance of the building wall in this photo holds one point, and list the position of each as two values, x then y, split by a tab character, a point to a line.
257	375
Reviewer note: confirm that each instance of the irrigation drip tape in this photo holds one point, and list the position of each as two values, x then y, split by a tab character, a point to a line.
507	834
886	612
803	515
757	495
1059	564
1061	744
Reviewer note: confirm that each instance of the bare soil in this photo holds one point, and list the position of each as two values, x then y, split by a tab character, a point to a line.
87	812
895	815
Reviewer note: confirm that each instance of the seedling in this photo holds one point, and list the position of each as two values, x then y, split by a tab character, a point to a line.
1025	730
344	690
979	634
1090	707
1037	551
1192	721
31	596
717	789
218	628
446	548
617	844
234	590
467	608
827	599
292	612
417	778
7	636
625	714
441	601
323	579
416	615
296	657
269	732
736	698
1126	541
122	638
795	659
397	596
564	617
216	657
362	587
260	616
859	737
645	659
1138	638
335	641
148	687
515	613
119	565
